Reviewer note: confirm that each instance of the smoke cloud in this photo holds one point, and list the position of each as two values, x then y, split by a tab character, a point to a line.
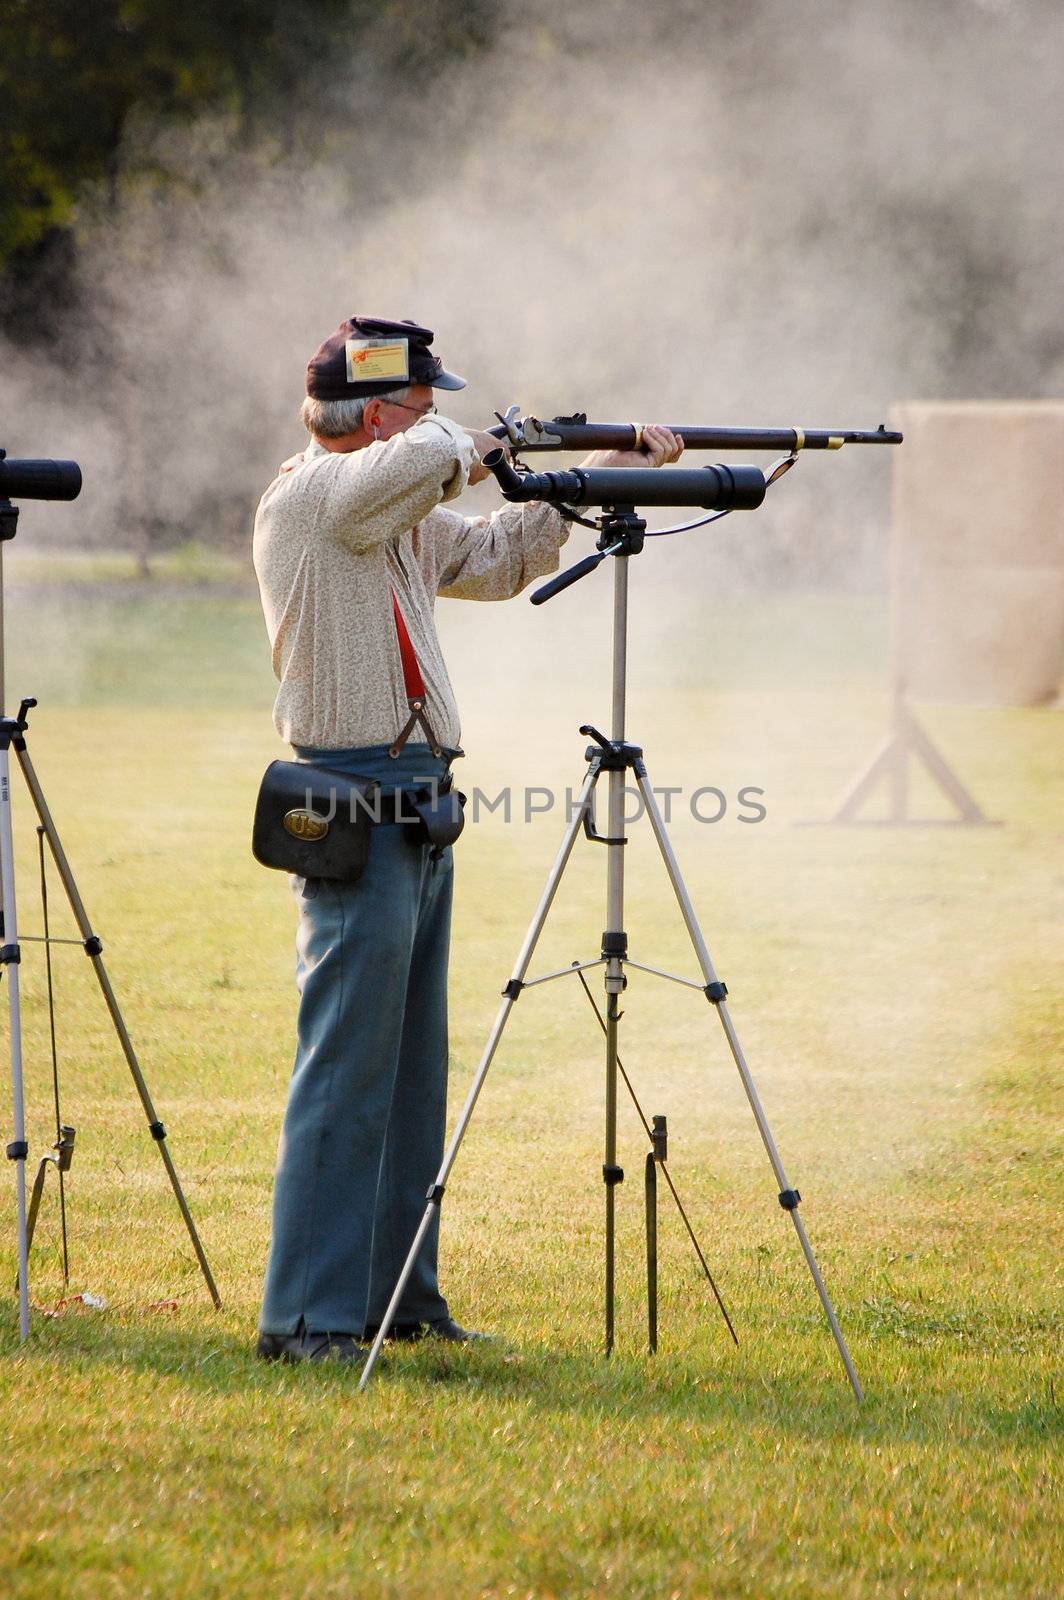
755	213
758	212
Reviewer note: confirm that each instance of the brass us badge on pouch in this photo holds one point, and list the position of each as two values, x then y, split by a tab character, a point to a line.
305	825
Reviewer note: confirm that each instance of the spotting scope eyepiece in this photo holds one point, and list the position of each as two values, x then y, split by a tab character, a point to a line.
716	488
39	480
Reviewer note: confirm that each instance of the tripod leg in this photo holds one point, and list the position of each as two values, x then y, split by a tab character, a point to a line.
652	1251
36	1196
666	1174
64	1147
510	994
18	1149
93	948
611	1170
715	992
60	1159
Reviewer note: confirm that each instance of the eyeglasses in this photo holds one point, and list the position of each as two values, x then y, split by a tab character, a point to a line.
419	411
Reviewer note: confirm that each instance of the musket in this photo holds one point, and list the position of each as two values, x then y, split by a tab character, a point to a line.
576	433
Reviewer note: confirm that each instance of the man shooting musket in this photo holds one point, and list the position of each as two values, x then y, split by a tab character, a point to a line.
354	540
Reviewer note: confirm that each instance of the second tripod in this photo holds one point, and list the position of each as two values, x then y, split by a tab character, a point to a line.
51	480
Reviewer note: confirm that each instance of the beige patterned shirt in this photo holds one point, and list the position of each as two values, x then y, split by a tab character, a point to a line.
336	534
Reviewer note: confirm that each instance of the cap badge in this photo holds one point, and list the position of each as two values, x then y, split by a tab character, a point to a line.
378	360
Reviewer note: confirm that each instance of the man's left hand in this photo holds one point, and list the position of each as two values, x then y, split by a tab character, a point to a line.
484	444
660	445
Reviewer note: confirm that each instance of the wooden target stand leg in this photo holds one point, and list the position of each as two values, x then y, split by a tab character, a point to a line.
889	767
908	741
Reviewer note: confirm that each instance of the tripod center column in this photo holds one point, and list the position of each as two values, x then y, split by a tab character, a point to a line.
615	852
614	940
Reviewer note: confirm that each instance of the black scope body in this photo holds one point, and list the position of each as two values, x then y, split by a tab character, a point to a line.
39	480
716	488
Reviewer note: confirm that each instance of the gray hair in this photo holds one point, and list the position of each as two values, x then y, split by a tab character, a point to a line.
333	419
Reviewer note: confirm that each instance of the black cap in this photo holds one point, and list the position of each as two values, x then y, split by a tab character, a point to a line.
392	354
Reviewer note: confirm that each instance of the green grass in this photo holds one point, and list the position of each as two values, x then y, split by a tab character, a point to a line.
898	994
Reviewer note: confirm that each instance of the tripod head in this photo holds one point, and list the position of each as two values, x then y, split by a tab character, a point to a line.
621	534
615	492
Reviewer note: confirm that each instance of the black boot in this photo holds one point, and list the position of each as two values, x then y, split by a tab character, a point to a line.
307	1345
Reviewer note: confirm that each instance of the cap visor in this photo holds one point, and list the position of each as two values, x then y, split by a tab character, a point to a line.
448	380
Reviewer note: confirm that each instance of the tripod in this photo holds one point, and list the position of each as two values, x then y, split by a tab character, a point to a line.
13	737
622	537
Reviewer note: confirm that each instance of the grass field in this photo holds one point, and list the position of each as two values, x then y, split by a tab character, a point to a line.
899	997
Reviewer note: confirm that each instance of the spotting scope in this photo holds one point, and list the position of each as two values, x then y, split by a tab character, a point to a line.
710	488
38	480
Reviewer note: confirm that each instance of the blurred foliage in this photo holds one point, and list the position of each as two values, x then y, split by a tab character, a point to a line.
72	76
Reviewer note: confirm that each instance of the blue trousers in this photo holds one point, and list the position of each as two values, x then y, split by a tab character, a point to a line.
364	1125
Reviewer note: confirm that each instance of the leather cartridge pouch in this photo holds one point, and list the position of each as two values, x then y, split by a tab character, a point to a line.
314	822
442	816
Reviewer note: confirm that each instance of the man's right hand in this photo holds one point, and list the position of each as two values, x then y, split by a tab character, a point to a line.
483	443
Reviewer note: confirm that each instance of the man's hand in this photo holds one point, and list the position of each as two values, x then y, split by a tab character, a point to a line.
660	445
483	443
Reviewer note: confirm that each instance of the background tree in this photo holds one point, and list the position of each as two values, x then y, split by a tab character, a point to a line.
73	75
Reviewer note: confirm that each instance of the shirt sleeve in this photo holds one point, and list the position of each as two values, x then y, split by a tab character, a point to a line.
492	558
365	497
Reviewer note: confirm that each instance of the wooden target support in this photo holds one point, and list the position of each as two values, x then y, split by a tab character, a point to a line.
976	586
907	742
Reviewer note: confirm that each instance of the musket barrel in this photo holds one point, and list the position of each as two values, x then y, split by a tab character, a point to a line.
566	434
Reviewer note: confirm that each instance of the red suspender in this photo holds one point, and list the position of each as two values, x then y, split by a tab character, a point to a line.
415	687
